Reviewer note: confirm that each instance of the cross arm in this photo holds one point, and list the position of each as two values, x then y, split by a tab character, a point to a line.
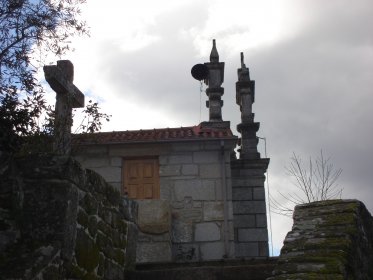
61	85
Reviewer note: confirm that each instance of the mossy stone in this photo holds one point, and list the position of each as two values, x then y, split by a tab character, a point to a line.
119	256
89	204
86	251
92	225
83	218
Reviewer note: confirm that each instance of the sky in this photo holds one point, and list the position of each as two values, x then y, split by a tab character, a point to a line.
312	62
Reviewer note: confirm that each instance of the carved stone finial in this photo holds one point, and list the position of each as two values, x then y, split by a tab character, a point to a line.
214	56
243	72
245	93
214	81
242	61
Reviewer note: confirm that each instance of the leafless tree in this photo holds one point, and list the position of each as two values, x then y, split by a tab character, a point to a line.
315	181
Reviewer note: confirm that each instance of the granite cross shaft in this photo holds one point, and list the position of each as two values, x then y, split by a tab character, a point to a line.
60	77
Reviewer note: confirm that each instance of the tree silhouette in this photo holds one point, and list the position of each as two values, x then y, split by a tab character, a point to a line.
27	28
316	181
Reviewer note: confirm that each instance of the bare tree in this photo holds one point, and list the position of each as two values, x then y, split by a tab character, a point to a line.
315	181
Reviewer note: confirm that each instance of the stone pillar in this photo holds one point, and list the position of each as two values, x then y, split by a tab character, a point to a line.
245	96
248	177
249	208
214	82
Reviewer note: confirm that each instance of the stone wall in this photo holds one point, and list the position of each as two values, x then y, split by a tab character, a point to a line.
191	180
249	208
154	239
60	221
329	240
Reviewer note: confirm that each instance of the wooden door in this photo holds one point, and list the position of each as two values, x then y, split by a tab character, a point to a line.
141	178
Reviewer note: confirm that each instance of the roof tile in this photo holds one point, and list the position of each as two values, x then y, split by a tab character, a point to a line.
153	135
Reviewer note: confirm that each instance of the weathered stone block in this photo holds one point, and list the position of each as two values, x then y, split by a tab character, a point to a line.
170	170
194	188
186	147
165	237
166	188
92	162
182	231
218	189
189	169
213	211
206	157
247	182
110	174
263	249
185	252
116	185
131	245
86	251
187	214
241	221
207	232
129	209
244	193
210	170
247	249
116	161
154	216
259	194
261	220
89	204
113	271
182	158
153	252
212	251
93	150
252	172
249	207
252	234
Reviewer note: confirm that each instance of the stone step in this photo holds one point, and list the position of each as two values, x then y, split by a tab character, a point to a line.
211	270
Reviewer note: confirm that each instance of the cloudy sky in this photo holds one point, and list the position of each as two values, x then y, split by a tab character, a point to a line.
312	62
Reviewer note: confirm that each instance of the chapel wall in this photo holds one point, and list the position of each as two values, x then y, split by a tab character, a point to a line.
190	191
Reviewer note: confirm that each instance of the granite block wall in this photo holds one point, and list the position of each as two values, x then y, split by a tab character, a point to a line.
249	208
191	182
63	222
329	240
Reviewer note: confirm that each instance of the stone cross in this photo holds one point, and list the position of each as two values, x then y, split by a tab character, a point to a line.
60	77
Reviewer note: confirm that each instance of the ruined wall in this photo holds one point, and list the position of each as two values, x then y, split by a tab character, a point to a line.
59	221
329	240
191	181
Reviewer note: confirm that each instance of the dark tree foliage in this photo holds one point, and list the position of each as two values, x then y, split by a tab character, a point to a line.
29	29
92	120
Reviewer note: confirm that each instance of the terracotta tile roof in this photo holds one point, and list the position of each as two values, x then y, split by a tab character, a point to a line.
153	135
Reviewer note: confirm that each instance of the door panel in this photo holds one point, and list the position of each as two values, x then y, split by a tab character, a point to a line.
141	178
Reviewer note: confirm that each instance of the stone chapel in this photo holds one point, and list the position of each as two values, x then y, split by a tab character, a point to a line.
197	200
